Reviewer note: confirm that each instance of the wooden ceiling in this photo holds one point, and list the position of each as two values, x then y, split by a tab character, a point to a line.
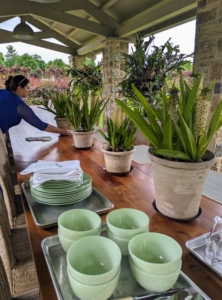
81	25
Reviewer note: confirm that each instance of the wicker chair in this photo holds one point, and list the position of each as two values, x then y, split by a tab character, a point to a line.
5	289
16	256
9	168
13	204
7	150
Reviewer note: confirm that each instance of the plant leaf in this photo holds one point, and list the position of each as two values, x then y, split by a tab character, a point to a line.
139	121
167	134
149	111
172	154
181	137
189	138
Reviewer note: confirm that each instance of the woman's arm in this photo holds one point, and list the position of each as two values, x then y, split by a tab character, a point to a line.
26	113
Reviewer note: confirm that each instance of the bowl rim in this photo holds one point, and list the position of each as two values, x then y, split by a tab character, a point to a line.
68	240
92	285
156	275
116	237
60	225
150	263
127	209
97	237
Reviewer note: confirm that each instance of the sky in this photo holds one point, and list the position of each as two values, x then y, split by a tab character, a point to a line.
183	35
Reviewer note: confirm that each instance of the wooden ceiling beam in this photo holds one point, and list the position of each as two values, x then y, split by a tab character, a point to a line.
51	46
89	7
170	23
90	47
153	17
54	34
6	37
53	25
47	12
107	4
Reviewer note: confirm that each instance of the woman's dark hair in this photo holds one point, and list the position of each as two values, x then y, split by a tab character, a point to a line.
13	82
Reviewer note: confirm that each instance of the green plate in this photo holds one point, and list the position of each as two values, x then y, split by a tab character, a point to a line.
61	187
63	202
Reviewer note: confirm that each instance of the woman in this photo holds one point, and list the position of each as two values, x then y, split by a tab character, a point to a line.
13	109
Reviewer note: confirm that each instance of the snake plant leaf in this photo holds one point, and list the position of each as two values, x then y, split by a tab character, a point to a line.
46	107
214	125
143	126
172	154
103	134
148	110
183	93
219	123
189	138
156	113
164	103
181	137
191	99
167	134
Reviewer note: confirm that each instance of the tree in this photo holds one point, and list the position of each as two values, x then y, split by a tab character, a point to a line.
26	60
40	61
2	59
89	61
10	56
56	63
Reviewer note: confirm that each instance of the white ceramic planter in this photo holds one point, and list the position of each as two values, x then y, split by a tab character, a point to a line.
62	122
179	185
117	162
83	139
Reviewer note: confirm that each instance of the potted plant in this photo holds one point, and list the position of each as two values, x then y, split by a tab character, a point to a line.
83	115
58	107
120	137
179	133
147	68
88	78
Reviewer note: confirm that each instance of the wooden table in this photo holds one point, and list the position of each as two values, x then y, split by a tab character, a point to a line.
135	190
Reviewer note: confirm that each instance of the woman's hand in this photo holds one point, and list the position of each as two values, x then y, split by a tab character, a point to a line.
62	131
65	131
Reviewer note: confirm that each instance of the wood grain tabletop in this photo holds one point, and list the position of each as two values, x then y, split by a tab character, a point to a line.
136	190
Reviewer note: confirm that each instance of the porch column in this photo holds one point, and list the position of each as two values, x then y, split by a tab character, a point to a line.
208	55
77	60
113	70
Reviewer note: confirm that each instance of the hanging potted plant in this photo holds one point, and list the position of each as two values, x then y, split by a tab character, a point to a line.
179	133
58	107
120	137
82	115
147	68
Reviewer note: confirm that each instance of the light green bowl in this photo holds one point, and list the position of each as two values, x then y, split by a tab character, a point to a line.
77	223
154	283
66	243
95	292
94	260
155	253
125	223
123	244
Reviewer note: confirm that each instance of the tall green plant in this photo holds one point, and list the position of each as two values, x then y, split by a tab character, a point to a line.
120	132
147	67
59	101
87	79
83	115
181	129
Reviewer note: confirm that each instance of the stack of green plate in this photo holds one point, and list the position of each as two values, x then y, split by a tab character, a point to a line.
62	192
